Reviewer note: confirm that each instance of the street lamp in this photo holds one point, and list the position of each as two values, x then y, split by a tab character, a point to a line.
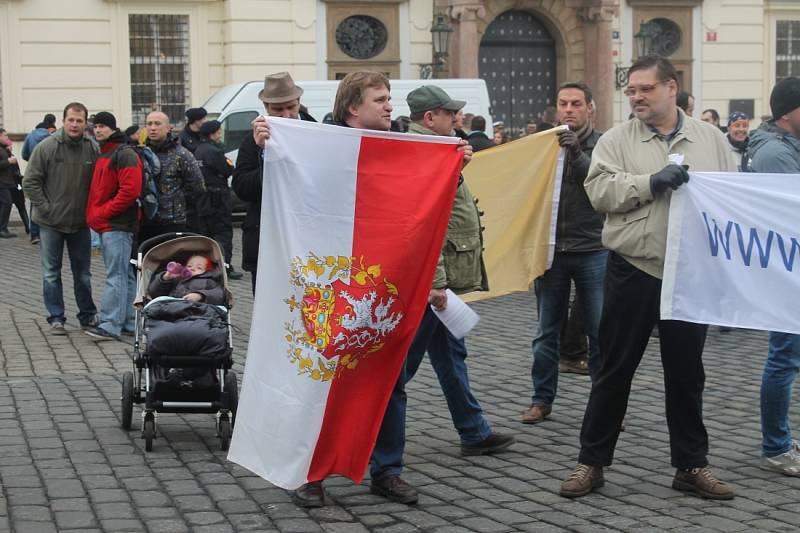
440	33
644	47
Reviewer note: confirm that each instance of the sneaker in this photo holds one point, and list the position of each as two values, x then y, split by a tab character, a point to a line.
702	482
787	463
309	495
99	334
496	442
536	413
57	328
394	489
93	323
578	366
35	240
582	481
5	234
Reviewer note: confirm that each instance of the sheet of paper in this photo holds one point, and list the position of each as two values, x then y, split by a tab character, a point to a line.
458	317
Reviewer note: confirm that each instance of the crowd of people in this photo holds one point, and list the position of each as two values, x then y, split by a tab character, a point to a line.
610	242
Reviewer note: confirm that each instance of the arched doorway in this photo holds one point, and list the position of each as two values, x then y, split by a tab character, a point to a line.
517	59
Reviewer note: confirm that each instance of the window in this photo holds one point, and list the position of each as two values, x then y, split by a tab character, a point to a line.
787	49
235	128
159	50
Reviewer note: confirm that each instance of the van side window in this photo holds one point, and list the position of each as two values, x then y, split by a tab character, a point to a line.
235	128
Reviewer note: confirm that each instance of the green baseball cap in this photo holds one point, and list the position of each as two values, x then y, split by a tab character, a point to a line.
430	97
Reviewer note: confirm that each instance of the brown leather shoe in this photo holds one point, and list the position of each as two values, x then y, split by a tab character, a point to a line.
578	366
536	413
702	482
582	481
309	495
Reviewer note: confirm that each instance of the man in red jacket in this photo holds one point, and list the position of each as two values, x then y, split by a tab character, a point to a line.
112	211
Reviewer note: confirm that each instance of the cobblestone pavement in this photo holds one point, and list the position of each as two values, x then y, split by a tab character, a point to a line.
65	464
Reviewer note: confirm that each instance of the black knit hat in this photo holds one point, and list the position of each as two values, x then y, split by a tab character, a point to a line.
210	127
785	97
195	113
130	130
49	119
106	119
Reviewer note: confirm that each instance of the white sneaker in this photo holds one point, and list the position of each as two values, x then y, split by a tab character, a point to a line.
787	463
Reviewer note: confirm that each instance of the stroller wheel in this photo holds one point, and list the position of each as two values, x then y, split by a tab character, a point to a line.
149	433
127	400
224	432
232	388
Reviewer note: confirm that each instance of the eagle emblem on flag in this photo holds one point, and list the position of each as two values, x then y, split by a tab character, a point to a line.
343	309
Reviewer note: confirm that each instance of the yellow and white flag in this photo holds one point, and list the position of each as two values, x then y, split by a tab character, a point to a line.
518	186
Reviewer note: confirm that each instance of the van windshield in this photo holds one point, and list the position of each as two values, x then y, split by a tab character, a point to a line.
235	128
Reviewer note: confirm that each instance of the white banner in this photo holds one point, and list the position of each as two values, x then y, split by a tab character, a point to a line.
733	256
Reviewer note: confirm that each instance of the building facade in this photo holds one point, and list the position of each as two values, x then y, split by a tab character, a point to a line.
130	56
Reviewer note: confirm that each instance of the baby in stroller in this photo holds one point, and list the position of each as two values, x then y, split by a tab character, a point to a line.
197	281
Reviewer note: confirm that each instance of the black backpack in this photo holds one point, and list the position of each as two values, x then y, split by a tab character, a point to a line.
151	168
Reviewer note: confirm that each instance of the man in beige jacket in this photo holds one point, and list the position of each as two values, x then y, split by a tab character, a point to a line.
635	166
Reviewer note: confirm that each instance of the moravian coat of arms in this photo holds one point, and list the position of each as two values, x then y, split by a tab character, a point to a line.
345	314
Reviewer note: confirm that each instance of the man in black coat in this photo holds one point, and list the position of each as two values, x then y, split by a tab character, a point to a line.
281	98
191	137
477	138
216	222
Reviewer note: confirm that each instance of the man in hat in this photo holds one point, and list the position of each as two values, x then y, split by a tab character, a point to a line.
57	183
630	180
190	136
738	131
461	270
217	223
281	98
113	213
775	148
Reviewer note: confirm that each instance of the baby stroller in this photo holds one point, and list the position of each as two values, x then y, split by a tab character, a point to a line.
182	349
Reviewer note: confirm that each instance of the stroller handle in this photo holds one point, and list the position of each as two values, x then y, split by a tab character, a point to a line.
158	239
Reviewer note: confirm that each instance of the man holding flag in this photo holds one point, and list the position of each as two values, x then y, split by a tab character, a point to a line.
775	148
635	167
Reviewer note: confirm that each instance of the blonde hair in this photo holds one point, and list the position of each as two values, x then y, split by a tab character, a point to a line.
351	91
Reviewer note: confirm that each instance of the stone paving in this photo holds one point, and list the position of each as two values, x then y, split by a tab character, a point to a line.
65	464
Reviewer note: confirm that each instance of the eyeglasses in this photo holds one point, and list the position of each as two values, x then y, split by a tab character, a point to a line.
644	90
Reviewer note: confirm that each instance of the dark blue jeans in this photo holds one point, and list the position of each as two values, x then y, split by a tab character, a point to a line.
387	456
52	253
780	372
587	270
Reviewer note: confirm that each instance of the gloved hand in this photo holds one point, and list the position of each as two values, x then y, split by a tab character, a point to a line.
569	139
671	176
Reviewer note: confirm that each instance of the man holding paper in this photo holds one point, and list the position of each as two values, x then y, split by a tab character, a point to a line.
635	166
461	270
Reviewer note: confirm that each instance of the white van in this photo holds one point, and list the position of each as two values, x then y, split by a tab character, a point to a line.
237	105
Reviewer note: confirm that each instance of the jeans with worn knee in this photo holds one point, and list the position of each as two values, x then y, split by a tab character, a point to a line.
587	270
51	253
780	371
116	308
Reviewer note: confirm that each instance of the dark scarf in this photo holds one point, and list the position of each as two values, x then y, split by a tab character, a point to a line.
739	146
585	132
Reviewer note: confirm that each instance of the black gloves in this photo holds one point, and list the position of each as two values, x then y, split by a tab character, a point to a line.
671	176
569	139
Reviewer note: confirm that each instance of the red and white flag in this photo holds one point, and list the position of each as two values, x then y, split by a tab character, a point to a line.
352	224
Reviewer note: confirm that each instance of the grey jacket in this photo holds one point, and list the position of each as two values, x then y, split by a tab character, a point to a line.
57	181
774	150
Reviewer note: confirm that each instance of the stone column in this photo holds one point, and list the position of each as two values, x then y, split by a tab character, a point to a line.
598	63
464	41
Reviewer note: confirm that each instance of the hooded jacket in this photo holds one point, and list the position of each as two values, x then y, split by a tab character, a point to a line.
116	185
57	181
180	177
773	150
32	140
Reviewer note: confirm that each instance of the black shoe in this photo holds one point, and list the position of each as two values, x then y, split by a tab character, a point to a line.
496	442
5	234
35	240
232	274
309	495
92	323
99	334
394	489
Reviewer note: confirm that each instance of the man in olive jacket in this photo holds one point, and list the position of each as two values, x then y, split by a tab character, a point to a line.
460	269
57	182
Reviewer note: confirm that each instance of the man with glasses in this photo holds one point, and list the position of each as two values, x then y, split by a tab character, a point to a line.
635	166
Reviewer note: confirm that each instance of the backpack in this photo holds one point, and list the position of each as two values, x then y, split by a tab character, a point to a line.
151	169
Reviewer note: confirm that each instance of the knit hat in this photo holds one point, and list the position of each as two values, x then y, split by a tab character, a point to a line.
106	119
785	97
130	130
195	113
210	127
737	115
49	120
